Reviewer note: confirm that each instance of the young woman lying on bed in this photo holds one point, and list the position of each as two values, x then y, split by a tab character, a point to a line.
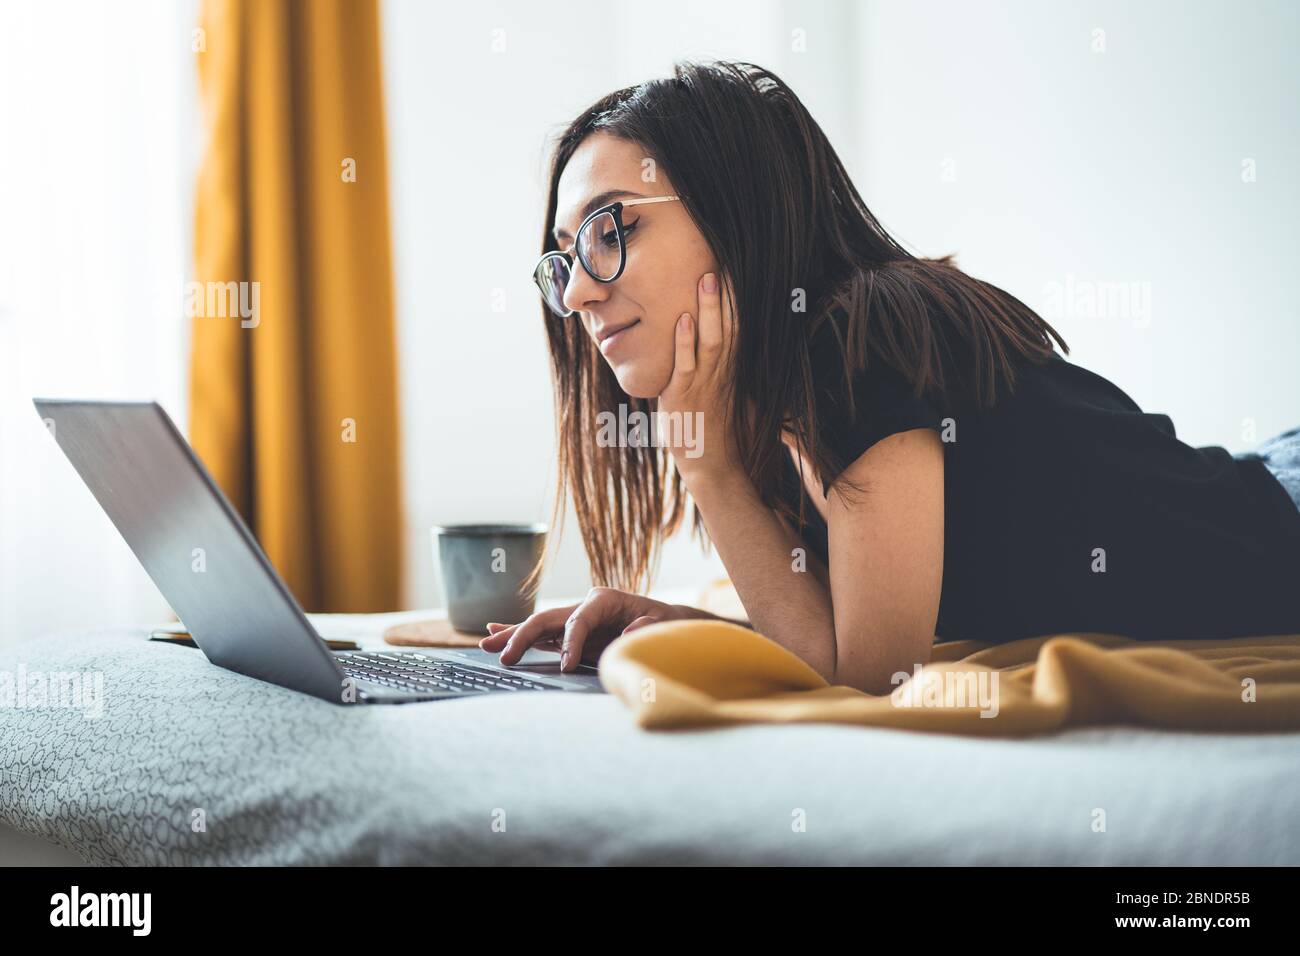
711	261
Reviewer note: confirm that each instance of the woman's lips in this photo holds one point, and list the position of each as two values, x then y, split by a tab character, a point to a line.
611	342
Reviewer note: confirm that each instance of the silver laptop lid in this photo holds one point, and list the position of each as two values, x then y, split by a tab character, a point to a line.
192	543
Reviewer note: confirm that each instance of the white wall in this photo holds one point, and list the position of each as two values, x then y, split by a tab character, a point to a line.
98	141
1115	166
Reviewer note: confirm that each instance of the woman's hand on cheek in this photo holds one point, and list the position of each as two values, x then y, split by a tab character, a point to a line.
696	398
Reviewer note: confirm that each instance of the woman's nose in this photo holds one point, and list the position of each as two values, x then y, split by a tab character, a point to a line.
582	289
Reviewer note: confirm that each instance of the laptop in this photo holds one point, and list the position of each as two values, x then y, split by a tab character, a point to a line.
215	576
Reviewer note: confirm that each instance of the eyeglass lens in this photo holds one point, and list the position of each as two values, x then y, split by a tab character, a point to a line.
552	279
599	250
598	246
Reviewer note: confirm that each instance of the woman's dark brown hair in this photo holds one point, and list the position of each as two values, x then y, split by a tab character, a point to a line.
772	200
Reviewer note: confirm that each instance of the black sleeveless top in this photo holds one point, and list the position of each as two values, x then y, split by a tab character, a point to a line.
1069	509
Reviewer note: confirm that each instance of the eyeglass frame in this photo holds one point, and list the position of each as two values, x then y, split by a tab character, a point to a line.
615	209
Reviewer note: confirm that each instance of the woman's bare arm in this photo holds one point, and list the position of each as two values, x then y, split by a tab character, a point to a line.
877	616
781	586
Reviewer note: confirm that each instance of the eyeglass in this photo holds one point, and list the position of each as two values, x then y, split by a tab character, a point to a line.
601	247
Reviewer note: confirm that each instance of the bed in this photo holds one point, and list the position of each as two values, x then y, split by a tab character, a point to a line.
188	764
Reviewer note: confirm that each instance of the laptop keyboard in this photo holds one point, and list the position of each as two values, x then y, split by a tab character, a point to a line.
418	672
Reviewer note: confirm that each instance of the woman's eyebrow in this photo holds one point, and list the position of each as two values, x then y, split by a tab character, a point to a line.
594	203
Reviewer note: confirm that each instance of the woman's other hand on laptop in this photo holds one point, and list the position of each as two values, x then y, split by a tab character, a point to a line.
582	631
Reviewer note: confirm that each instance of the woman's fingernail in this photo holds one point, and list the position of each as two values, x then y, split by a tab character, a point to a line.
684	321
709	283
564	660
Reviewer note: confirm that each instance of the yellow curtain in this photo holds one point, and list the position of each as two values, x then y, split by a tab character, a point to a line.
293	368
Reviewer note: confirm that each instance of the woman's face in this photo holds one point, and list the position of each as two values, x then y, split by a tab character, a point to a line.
666	256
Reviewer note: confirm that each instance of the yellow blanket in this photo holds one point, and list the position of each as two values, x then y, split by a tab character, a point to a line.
702	673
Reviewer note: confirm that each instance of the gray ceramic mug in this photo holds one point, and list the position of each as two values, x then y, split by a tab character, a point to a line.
483	569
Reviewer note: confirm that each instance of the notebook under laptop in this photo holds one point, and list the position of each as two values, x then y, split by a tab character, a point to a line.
213	573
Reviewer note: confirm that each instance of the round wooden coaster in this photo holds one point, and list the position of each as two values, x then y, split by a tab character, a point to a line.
435	633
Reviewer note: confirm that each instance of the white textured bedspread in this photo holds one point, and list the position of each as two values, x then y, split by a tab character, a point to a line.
190	764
